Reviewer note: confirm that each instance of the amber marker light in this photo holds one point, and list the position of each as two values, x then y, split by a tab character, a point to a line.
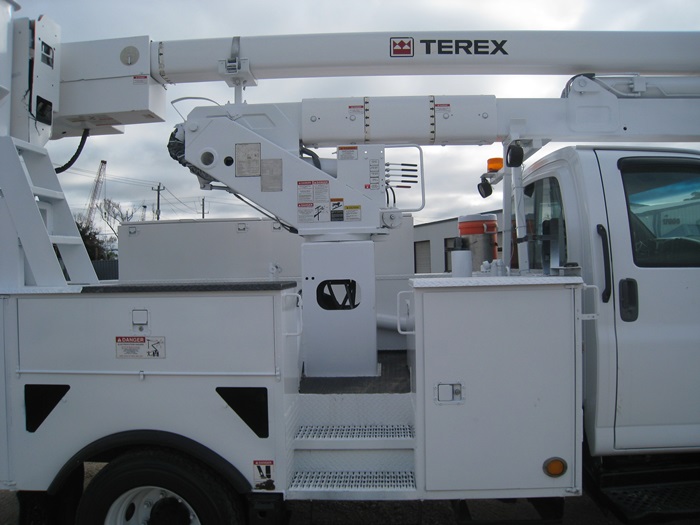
554	467
494	164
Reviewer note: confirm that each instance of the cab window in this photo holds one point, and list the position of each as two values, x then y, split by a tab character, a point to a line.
663	209
546	229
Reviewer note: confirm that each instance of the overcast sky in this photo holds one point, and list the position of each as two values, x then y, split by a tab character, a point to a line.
138	160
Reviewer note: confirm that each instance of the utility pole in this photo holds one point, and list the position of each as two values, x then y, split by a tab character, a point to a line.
158	189
203	213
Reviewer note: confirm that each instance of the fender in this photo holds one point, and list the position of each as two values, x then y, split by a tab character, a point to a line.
108	447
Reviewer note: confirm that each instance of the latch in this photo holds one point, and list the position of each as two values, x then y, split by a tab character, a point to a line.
449	393
139	320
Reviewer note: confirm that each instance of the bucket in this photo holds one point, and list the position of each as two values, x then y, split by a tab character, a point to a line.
481	232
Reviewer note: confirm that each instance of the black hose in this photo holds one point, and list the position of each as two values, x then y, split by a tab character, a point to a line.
77	153
314	157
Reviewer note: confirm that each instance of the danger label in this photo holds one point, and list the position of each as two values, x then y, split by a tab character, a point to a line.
264	474
313	201
140	347
347	153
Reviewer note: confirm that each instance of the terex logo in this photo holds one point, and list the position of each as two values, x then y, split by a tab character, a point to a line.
401	47
404	47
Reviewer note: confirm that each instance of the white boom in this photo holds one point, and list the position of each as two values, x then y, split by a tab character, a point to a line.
108	83
425	53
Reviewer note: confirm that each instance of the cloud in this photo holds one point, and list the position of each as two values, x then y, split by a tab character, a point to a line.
452	173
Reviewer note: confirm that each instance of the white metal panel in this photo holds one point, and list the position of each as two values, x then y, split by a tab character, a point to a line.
203	333
242	248
465	119
181	399
343	118
339	342
4	348
97	406
519	374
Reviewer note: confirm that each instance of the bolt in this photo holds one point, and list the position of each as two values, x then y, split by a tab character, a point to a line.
484	115
193	126
148	503
314	118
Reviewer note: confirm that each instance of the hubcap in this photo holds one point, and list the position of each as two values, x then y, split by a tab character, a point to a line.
151	506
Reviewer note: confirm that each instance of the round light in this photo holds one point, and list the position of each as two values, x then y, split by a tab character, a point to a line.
484	188
555	467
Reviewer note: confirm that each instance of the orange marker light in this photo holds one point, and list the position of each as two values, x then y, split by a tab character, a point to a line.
554	467
494	164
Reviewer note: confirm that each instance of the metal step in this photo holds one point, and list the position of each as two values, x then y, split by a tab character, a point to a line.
347	481
354	437
633	503
355	432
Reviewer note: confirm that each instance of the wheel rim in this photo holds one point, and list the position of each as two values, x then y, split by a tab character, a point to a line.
135	506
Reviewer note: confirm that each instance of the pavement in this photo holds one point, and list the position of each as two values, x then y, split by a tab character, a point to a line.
577	511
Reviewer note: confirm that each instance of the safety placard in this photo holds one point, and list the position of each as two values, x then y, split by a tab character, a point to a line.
264	474
337	210
347	153
313	201
140	347
353	212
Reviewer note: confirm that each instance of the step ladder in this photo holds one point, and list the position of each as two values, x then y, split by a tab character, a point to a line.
353	446
48	249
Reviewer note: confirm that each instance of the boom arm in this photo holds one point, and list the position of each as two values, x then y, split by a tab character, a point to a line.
245	59
109	83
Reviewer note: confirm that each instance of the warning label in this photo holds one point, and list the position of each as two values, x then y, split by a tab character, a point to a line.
264	474
347	153
353	212
140	347
313	201
337	210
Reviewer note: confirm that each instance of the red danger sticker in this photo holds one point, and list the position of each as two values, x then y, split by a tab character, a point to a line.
140	347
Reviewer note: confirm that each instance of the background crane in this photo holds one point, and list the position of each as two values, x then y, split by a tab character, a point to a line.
96	189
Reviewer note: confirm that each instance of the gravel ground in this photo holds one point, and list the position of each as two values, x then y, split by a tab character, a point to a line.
578	511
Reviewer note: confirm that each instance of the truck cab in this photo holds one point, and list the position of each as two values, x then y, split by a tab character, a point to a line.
631	219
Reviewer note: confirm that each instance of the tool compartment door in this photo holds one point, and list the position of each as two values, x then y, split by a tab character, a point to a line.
653	203
502	378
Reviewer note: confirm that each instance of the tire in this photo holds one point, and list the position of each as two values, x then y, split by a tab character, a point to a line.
157	487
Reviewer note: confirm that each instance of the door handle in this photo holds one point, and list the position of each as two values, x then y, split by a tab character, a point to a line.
607	291
629	300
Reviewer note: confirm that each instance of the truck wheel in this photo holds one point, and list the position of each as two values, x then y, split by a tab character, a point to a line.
159	488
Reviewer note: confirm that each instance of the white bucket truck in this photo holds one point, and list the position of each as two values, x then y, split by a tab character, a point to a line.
214	400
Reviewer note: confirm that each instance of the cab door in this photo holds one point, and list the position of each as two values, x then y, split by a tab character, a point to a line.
653	207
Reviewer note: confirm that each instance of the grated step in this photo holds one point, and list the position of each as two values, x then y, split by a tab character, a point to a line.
350	432
668	499
353	481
